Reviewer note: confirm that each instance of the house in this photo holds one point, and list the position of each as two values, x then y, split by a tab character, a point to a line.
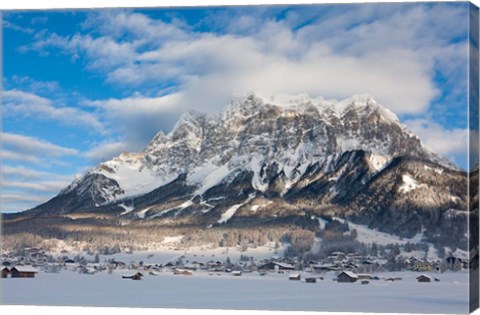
169	265
294	276
215	265
87	270
4	272
182	272
324	267
311	280
137	276
364	276
23	272
424	278
237	273
338	256
347	277
274	265
422	266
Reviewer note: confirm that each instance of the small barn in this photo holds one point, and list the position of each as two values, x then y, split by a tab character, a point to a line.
324	267
311	280
347	277
137	276
182	272
274	265
23	272
169	265
424	278
4	272
422	266
295	276
364	276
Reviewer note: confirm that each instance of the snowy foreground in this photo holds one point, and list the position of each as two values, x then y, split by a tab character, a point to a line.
249	292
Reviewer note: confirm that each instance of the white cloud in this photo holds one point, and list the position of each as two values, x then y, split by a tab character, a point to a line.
19	103
23	145
120	24
17	156
105	151
22	172
390	56
34	85
23	198
44	186
15	27
447	142
137	119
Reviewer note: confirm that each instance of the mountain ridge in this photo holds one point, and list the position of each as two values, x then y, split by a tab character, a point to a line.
259	162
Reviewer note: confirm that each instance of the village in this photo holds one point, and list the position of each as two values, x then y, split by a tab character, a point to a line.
346	268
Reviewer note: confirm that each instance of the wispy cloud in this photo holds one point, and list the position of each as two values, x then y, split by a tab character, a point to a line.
28	173
6	198
448	142
44	186
35	147
35	86
105	151
18	156
29	105
137	118
15	27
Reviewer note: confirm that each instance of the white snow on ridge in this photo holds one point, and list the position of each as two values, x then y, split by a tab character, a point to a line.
436	170
209	175
128	209
227	215
377	161
184	205
172	239
322	223
256	164
255	208
141	214
409	184
369	236
133	177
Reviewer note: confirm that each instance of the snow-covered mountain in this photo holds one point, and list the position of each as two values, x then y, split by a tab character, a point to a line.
267	158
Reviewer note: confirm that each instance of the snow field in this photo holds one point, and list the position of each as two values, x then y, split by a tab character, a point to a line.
250	291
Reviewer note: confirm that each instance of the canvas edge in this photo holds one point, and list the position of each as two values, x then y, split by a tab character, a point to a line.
473	100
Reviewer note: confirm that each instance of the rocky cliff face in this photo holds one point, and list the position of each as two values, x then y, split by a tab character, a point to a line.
267	159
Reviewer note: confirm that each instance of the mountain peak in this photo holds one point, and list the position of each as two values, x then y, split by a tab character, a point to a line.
261	135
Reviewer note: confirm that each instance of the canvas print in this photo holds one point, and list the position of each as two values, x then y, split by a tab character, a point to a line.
315	157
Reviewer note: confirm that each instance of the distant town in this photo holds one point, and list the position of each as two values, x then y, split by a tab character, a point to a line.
347	267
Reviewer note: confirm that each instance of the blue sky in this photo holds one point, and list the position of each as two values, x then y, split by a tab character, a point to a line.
83	86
